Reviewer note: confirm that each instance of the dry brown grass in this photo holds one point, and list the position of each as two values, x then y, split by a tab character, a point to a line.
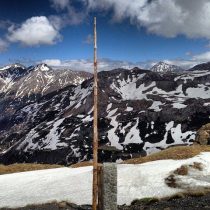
21	167
176	153
183	170
82	164
197	166
52	205
179	152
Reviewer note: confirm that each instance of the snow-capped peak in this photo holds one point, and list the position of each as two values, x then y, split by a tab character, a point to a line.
42	67
165	67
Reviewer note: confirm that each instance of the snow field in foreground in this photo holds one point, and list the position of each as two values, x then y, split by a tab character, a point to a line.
75	184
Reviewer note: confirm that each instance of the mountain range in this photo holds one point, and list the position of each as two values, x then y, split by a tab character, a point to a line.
47	115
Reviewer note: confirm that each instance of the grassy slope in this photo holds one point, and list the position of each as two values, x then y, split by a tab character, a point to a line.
176	153
82	164
13	168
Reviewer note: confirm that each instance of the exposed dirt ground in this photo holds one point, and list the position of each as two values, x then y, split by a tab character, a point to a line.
186	203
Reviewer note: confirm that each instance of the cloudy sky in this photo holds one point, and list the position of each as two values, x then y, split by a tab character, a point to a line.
130	33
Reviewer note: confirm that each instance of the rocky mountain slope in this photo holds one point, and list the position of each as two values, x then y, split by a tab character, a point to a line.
202	66
40	79
140	112
165	67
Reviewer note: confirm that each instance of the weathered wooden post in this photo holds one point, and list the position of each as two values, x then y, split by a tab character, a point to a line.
104	196
95	126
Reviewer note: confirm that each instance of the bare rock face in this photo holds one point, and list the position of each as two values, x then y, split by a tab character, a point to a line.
202	66
203	135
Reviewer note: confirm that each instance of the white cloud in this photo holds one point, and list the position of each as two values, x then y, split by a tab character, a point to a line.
4	24
3	45
189	53
109	64
203	57
52	62
60	4
77	64
87	64
56	21
34	31
170	18
185	64
89	39
167	18
192	61
70	15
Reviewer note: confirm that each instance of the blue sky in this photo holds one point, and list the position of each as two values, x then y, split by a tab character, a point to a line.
130	33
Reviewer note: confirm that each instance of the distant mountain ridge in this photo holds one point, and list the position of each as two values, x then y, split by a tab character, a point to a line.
47	118
202	66
39	79
15	65
163	67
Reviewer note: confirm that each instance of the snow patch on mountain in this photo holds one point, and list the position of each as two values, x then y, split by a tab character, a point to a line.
52	140
191	75
156	106
130	91
16	65
133	135
177	136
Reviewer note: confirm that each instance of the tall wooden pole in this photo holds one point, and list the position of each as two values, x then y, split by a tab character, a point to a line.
95	126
